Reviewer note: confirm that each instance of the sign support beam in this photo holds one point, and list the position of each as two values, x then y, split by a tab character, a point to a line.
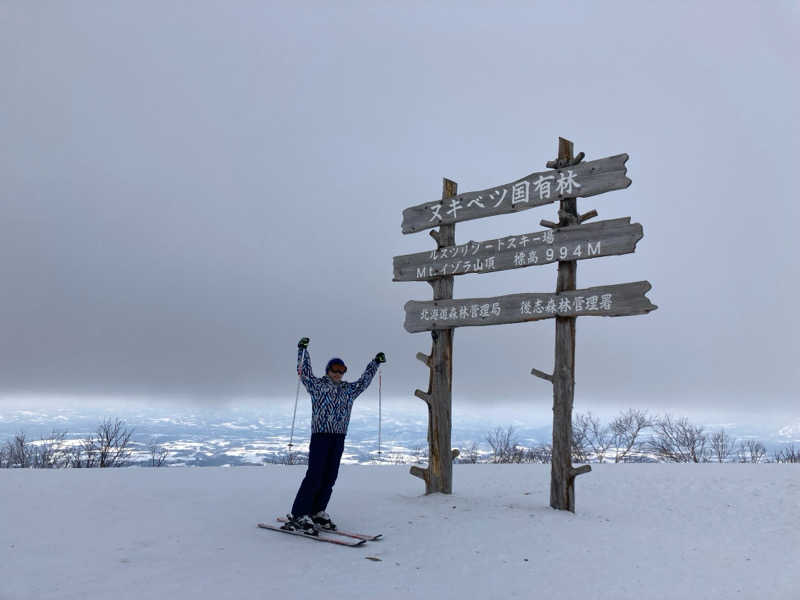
438	476
562	474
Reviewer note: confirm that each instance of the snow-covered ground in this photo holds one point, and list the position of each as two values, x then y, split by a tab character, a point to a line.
645	531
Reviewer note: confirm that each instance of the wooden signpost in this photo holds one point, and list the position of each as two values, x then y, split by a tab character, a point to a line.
564	242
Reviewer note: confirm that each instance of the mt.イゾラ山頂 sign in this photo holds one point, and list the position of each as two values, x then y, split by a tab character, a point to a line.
579	242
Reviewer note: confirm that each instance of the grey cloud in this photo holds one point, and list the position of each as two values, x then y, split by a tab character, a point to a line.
185	194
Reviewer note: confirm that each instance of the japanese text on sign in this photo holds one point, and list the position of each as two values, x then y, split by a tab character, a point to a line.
552	306
521	192
602	301
537	189
603	238
521	258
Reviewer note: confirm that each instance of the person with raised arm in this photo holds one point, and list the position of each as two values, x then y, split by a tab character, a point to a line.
331	405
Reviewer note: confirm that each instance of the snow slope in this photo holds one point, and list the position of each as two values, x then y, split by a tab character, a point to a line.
647	531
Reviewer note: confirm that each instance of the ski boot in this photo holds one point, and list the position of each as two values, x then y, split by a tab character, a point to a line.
323	521
302	523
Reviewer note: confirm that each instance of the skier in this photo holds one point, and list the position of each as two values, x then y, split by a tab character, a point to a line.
331	404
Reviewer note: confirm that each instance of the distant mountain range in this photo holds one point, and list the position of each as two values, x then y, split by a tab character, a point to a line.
790	433
253	436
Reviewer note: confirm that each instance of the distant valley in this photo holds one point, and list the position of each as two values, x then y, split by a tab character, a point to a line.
235	436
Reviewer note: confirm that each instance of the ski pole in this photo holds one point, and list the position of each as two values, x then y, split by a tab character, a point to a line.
296	398
379	413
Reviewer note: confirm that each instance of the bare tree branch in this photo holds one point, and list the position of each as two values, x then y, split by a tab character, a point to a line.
751	451
158	454
722	445
594	436
626	430
504	445
471	454
677	440
788	455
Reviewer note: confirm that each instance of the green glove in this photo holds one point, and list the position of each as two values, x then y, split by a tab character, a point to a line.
380	357
303	343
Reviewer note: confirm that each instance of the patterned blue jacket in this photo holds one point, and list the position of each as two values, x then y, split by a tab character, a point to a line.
331	403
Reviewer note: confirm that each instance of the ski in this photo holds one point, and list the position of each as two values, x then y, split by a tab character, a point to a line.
359	536
319	538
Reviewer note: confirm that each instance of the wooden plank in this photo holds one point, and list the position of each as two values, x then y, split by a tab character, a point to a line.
579	242
603	301
537	189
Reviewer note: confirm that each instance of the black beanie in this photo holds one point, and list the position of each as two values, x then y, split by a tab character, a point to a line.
335	361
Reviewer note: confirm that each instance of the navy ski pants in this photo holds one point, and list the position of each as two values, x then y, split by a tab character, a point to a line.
324	454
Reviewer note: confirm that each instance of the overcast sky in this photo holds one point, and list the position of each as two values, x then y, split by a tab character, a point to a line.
186	190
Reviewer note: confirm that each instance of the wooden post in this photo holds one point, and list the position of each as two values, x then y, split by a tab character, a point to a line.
438	476
562	474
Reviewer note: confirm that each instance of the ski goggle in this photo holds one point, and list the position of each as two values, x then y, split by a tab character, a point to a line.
341	371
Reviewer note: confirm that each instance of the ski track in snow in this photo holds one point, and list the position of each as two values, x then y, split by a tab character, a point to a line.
649	531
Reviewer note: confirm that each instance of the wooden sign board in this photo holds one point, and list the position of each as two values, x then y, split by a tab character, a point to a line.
602	301
537	189
579	242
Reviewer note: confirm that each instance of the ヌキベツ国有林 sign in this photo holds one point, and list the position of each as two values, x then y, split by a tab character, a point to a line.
579	242
537	189
602	301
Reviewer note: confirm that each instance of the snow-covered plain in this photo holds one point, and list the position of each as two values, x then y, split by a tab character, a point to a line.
645	531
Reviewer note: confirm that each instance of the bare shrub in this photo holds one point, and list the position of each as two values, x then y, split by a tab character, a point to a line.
677	440
504	445
788	455
751	451
592	436
580	441
722	445
108	447
19	451
420	454
542	454
113	443
46	453
49	452
518	454
158	454
397	458
290	458
74	457
626	430
471	454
